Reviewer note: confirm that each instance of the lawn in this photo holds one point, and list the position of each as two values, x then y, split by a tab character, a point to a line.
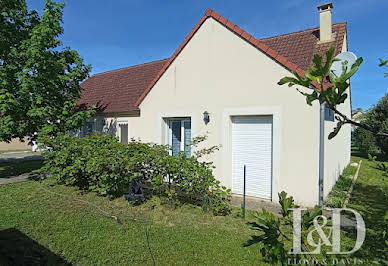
82	234
370	199
70	226
339	193
9	169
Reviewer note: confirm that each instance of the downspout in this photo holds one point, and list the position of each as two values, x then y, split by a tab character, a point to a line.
321	151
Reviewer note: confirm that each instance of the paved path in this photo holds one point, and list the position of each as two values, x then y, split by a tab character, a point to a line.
15	179
256	204
19	156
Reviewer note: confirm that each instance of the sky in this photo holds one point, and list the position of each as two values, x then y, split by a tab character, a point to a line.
119	33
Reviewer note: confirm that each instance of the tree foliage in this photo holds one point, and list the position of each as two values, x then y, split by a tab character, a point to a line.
377	119
39	79
328	88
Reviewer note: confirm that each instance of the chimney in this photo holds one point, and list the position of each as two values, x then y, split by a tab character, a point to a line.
325	29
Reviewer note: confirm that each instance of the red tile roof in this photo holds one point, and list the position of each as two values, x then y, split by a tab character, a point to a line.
118	90
125	89
300	47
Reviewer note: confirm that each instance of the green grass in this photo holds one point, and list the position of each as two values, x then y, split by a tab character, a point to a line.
56	223
337	196
83	235
9	169
370	199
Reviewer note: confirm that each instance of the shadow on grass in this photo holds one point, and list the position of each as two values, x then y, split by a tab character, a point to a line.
16	248
10	169
371	203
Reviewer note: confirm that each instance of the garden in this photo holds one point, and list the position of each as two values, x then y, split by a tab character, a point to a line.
79	205
73	226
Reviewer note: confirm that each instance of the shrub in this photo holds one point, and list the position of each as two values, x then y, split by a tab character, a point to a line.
275	233
377	119
102	164
365	141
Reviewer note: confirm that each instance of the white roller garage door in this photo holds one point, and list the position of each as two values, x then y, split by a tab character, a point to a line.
252	146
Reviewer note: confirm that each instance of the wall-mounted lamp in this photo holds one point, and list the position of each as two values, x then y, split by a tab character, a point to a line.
206	117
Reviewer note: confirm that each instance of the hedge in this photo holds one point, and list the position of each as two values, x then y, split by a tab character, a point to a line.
102	164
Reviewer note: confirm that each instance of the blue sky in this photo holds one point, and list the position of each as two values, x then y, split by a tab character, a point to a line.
118	33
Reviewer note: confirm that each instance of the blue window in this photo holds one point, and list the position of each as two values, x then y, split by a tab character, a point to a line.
179	136
87	129
329	114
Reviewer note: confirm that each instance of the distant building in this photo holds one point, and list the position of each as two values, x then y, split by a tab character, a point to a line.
357	115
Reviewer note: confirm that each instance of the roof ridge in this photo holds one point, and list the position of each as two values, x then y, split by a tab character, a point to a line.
258	43
299	31
128	67
209	13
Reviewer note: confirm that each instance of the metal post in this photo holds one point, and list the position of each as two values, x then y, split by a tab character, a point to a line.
243	203
321	153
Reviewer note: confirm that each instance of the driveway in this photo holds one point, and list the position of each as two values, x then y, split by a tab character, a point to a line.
20	174
19	156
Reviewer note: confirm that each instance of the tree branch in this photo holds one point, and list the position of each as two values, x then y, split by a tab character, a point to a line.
346	120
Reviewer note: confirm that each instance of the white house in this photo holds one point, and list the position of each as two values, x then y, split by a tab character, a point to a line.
223	73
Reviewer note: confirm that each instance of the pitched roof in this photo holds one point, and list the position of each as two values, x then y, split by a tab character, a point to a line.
118	90
300	47
125	89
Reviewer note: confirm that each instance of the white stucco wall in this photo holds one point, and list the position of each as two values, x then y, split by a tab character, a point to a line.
222	74
338	149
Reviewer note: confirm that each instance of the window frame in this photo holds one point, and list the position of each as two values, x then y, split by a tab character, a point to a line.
183	137
119	123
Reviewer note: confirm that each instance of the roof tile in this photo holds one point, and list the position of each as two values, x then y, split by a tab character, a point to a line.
245	35
263	47
230	25
118	90
238	30
222	20
299	47
272	53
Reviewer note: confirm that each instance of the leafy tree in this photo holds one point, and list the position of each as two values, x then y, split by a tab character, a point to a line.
39	80
365	141
329	89
376	118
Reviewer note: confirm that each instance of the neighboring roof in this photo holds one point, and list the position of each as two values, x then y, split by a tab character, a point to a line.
118	90
125	89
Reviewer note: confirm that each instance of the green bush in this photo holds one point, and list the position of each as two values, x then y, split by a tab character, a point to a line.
102	164
377	119
365	141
